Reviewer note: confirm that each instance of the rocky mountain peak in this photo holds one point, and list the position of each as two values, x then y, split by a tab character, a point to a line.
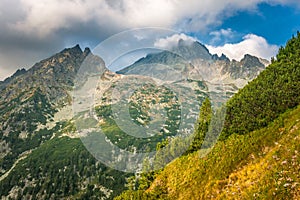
87	51
73	50
19	72
194	57
192	50
223	57
53	76
251	61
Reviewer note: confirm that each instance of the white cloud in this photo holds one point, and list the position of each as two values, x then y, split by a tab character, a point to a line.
251	44
44	17
171	41
221	34
47	16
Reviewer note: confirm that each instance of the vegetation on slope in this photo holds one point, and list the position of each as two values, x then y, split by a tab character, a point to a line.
263	164
62	167
258	157
201	127
274	91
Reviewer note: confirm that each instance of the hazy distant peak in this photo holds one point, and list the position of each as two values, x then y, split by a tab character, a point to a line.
182	42
191	50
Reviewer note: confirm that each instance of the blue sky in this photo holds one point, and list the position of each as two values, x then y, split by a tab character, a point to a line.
33	30
276	23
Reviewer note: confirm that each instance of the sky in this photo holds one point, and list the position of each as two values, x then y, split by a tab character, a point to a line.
32	30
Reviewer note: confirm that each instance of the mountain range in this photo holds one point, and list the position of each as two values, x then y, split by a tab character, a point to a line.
42	156
197	61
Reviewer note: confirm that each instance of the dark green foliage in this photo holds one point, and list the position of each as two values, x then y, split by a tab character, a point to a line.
24	145
201	126
147	176
63	167
274	91
34	110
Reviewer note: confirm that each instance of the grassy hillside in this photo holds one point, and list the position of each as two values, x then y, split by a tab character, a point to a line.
263	164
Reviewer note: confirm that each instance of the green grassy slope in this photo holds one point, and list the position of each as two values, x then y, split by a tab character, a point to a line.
263	164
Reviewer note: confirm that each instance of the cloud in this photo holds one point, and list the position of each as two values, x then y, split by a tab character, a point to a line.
220	35
44	26
251	44
45	17
171	41
223	32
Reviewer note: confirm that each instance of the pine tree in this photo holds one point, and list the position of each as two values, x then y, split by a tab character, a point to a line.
201	126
